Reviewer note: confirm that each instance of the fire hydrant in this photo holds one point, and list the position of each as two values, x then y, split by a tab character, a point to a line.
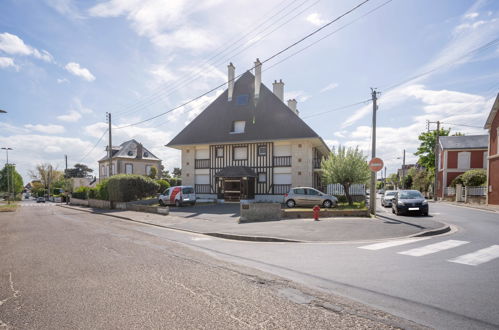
317	210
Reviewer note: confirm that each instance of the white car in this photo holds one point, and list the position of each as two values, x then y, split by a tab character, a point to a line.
386	200
178	196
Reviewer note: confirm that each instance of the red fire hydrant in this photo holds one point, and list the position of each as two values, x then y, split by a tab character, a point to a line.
317	210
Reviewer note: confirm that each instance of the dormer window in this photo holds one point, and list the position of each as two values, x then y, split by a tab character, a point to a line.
130	153
238	126
146	154
242	99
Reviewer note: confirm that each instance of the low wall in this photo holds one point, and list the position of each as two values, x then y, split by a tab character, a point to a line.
99	204
138	206
475	199
269	198
324	213
77	201
251	212
147	208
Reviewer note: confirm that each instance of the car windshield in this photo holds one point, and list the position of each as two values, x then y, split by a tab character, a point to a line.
410	195
390	193
188	191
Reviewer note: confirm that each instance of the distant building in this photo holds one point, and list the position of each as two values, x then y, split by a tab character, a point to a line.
459	154
492	124
131	157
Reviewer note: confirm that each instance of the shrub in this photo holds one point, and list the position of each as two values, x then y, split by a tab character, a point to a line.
474	178
81	193
102	189
129	187
163	185
457	180
342	199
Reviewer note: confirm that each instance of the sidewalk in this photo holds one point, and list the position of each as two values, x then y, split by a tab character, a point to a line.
289	230
492	208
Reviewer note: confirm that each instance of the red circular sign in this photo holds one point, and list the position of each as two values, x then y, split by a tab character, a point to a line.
376	164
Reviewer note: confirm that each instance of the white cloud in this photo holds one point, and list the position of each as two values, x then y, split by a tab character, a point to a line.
315	19
74	68
72	116
48	129
62	80
471	26
471	15
65	7
6	62
12	44
300	96
162	73
329	87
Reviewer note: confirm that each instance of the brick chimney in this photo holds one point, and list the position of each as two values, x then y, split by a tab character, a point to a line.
140	151
278	89
231	75
292	105
258	78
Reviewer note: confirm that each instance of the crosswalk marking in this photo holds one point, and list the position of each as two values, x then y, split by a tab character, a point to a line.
433	248
384	245
478	257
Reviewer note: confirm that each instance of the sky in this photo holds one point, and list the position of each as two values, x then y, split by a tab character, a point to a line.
65	63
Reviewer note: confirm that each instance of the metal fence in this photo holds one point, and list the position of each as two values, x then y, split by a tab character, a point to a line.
450	191
476	191
338	190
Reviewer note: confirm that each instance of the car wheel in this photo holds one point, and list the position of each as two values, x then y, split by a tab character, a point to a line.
397	212
290	203
327	204
177	203
161	202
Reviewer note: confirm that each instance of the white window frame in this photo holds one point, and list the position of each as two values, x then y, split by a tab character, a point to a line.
238	126
219	154
264	147
464	160
262	177
127	166
245	153
485	159
148	169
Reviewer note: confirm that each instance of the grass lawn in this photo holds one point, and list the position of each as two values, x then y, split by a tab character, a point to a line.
355	206
4	207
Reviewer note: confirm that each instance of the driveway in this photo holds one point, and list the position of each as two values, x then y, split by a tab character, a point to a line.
226	211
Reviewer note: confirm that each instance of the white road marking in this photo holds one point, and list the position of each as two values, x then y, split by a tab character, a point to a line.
433	248
201	239
384	245
478	257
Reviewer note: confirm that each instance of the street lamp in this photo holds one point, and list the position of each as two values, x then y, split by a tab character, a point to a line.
8	176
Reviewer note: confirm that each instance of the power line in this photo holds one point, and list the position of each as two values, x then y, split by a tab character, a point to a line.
451	124
337	109
95	145
264	61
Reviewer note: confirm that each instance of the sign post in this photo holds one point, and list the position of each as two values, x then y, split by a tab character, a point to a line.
375	165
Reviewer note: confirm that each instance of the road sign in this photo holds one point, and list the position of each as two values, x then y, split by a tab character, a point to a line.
376	164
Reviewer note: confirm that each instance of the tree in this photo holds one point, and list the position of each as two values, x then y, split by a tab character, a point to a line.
426	150
346	167
78	171
177	172
153	172
422	180
10	178
46	174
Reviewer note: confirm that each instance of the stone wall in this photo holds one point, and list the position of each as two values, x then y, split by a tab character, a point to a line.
77	201
251	212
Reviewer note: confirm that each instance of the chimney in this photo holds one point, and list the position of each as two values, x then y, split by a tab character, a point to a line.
278	88
232	71
258	78
140	151
292	105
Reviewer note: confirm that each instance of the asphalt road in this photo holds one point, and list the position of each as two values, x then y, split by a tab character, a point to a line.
61	269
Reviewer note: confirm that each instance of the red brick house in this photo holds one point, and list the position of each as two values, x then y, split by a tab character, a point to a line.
459	154
492	124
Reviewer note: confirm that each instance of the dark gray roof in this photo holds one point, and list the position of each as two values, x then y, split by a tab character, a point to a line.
235	172
269	119
122	151
464	142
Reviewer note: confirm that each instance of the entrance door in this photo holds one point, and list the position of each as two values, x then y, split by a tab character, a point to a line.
232	189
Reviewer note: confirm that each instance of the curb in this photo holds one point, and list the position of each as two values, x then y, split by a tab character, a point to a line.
431	232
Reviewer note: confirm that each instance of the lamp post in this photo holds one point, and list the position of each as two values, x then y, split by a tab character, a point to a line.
8	176
402	183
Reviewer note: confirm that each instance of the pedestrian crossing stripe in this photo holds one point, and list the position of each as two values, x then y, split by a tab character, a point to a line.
433	248
478	257
384	245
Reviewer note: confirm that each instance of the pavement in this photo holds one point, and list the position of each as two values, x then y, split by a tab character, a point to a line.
492	208
221	221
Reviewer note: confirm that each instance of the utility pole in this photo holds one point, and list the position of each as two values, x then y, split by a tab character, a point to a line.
372	189
110	145
66	159
403	171
435	185
384	181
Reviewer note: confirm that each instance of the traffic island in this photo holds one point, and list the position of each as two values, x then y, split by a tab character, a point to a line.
324	213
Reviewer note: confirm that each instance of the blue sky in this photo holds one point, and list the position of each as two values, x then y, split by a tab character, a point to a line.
65	63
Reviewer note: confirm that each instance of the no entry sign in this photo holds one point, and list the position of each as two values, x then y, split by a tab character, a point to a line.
376	164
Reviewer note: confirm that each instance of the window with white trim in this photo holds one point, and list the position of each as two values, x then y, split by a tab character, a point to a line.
485	159
148	169
240	153
219	152
128	168
262	177
262	150
463	160
238	126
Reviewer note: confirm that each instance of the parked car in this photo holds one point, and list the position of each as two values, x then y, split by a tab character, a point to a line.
306	196
178	196
406	201
386	200
40	199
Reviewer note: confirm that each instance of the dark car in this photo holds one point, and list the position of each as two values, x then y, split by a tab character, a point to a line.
406	201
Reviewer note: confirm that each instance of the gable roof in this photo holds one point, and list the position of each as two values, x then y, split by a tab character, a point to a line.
464	142
268	119
493	113
128	149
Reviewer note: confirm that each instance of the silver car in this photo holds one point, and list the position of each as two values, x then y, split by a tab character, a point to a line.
386	200
306	196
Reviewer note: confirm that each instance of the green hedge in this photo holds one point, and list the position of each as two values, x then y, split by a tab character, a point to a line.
129	187
163	185
81	193
474	178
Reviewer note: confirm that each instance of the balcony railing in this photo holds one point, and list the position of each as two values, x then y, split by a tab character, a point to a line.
280	189
317	162
282	161
202	188
202	163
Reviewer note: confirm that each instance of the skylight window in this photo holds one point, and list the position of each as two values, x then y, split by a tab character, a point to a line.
238	126
242	99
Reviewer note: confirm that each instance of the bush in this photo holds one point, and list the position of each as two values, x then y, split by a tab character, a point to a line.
474	178
175	182
81	193
342	199
102	189
129	187
163	185
457	180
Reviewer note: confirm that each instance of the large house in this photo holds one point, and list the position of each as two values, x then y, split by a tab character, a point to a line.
248	144
492	124
130	157
459	154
